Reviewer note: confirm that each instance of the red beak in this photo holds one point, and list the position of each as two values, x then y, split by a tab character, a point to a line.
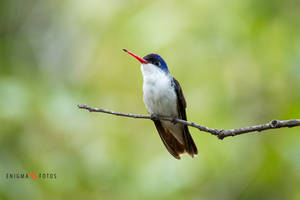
141	60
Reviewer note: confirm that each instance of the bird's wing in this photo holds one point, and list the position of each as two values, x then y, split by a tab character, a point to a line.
181	105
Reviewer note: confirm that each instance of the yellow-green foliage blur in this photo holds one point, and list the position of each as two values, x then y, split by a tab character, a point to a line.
238	63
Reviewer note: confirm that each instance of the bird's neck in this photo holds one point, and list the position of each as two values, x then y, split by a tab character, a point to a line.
152	73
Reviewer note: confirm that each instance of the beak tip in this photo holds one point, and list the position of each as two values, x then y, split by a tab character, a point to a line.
141	60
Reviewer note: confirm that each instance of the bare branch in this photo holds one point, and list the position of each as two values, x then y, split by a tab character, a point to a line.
220	133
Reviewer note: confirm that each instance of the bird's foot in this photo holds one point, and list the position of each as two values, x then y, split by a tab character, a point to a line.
154	117
174	121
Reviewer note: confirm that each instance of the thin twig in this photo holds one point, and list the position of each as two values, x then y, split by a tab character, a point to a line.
220	133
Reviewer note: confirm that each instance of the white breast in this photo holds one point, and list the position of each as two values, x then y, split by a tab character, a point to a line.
159	95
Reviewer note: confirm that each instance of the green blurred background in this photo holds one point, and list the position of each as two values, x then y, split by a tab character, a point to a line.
237	61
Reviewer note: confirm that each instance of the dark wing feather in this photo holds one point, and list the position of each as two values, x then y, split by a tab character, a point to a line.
181	105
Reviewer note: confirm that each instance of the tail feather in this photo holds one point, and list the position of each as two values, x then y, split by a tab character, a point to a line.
167	140
172	144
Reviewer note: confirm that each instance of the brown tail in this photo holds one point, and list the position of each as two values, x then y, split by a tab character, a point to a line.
174	147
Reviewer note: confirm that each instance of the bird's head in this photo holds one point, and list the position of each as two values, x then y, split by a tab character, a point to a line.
151	60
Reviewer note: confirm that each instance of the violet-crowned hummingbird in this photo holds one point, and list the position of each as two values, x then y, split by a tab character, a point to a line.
163	96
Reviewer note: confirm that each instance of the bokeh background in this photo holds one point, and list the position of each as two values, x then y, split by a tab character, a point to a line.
237	61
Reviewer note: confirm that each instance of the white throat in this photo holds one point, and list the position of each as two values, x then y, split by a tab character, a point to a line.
152	72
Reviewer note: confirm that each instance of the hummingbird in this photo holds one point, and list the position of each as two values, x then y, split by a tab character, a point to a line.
163	96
